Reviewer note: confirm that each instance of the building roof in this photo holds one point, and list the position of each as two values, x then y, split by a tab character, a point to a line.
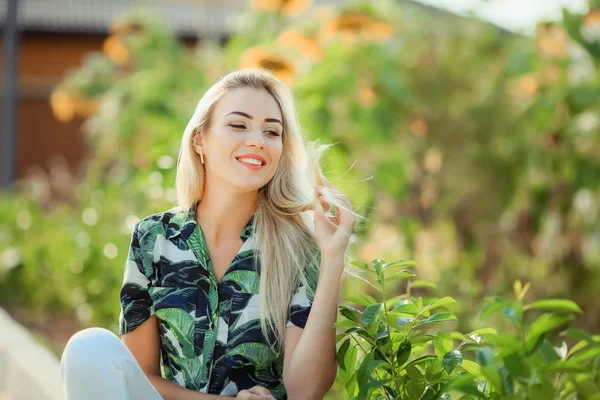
209	18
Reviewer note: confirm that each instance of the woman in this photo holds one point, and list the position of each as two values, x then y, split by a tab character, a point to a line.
235	291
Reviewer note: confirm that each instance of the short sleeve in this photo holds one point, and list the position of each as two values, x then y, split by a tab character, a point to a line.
304	295
136	305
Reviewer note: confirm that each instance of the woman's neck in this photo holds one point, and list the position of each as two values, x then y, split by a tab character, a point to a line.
223	213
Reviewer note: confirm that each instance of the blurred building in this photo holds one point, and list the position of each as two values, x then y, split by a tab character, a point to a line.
54	36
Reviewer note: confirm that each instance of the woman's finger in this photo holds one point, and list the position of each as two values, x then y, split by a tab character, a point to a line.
260	390
256	393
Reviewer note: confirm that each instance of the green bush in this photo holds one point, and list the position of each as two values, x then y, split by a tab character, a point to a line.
392	350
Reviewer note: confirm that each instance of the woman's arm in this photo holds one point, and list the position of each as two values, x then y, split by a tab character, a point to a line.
310	365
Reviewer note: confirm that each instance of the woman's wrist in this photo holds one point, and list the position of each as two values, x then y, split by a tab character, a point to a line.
332	263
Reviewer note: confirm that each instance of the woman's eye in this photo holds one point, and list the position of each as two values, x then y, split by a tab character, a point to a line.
271	132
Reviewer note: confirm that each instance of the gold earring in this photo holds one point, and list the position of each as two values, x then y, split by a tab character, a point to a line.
201	156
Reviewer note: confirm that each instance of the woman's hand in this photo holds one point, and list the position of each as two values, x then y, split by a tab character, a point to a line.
255	393
332	231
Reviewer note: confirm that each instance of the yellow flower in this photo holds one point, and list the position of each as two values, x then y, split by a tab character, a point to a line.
261	57
551	40
63	106
592	18
286	7
353	26
418	127
305	44
85	107
367	96
115	50
528	85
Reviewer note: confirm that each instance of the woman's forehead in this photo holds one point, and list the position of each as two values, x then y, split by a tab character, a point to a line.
254	102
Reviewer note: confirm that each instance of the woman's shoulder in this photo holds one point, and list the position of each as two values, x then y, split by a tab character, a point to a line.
157	221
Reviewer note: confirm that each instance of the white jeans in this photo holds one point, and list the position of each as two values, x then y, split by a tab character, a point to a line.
96	365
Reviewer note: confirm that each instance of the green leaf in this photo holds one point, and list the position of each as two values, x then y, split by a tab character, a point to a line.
400	275
555	305
406	309
485	355
378	265
345	323
419	339
513	312
467	385
367	389
350	313
586	354
370	314
342	353
504	341
484	331
517	367
492	375
401	263
358	300
369	298
350	358
422	284
506	382
471	367
492	305
362	265
451	360
442	343
444	301
543	324
403	352
440	317
364	369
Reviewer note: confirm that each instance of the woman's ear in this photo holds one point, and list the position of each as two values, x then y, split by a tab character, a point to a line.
197	140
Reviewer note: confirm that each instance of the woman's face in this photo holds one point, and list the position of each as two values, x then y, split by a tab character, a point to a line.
243	145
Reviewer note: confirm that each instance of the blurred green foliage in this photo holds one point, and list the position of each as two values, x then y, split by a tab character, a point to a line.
474	152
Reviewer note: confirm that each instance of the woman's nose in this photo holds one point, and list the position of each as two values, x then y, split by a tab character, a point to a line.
255	138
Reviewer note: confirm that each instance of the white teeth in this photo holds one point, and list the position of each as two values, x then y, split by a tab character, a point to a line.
250	161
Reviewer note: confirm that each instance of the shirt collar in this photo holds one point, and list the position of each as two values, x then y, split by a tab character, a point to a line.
184	223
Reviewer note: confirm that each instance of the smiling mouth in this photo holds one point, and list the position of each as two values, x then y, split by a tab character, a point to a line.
254	164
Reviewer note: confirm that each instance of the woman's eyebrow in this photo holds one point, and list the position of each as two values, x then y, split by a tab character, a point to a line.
243	114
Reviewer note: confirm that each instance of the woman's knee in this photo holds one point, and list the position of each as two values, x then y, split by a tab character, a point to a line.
89	347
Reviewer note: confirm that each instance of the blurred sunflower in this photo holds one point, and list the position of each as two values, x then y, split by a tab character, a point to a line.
306	44
63	105
353	26
590	28
116	50
418	127
528	85
367	96
551	40
261	57
286	7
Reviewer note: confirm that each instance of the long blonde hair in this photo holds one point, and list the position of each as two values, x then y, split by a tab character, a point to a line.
283	220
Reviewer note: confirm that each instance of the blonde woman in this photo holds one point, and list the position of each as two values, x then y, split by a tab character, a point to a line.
234	292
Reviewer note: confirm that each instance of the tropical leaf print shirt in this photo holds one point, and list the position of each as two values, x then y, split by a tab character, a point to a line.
210	335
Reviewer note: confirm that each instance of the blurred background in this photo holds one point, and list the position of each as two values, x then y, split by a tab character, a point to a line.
466	131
